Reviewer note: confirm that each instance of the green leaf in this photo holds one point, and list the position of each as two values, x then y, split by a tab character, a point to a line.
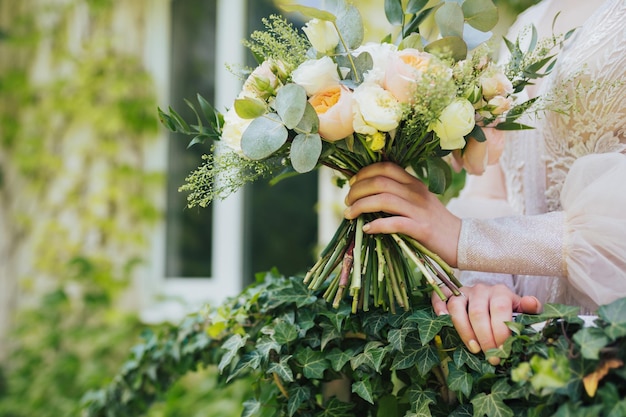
282	369
350	25
397	337
284	333
250	108
439	175
460	380
291	101
231	346
614	315
414	41
554	311
449	18
478	134
464	357
571	409
492	405
298	395
415	6
394	12
313	363
265	345
448	47
310	122
329	333
421	398
305	152
372	356
249	362
364	390
591	340
338	358
480	14
263	137
336	408
311	12
414	353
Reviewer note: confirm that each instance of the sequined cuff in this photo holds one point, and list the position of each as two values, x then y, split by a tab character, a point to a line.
528	245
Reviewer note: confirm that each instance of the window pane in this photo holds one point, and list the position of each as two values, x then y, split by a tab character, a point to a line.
188	231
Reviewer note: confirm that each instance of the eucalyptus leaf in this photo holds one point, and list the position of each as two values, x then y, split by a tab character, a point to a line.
448	47
305	152
311	12
415	6
291	101
250	108
439	175
480	14
414	41
264	136
449	19
350	26
394	12
310	122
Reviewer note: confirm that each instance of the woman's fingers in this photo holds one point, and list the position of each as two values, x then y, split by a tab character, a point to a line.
383	169
457	307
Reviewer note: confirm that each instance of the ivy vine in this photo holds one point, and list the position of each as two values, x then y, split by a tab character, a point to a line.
306	358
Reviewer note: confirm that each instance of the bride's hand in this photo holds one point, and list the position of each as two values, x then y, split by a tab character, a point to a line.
479	315
416	212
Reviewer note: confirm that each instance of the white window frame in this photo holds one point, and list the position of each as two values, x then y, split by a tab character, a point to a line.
164	298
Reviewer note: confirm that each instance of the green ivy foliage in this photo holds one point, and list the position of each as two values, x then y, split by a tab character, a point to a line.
293	348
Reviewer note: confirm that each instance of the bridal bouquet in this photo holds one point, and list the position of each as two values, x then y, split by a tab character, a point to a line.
326	98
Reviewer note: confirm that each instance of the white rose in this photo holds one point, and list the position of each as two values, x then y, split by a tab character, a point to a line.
375	109
322	35
455	121
316	75
262	83
233	129
380	53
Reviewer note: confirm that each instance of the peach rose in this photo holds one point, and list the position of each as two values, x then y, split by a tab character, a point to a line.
495	84
405	67
476	156
334	109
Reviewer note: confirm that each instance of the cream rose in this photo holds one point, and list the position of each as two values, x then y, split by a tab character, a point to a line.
233	129
375	109
495	83
404	69
322	35
455	121
316	75
380	53
262	82
334	109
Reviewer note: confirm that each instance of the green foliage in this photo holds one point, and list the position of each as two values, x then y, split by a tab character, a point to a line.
293	348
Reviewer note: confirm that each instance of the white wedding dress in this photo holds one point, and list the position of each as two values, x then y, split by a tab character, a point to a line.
550	219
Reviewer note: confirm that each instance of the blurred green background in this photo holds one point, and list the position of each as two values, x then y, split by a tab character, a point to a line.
79	193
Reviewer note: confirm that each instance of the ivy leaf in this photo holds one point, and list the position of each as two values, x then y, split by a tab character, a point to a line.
571	409
298	395
414	353
492	404
364	390
421	398
615	315
338	358
397	337
292	294
313	363
284	333
336	408
429	326
337	316
305	320
374	322
591	340
460	380
464	357
282	369
249	362
329	333
265	345
553	311
231	346
372	356
251	408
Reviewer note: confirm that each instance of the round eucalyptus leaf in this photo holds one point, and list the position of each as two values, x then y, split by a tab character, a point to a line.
311	12
310	122
413	41
449	18
305	152
290	103
350	25
249	108
451	46
415	6
394	12
480	14
363	63
263	137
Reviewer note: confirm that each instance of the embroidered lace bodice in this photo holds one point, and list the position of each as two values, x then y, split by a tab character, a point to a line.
561	212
